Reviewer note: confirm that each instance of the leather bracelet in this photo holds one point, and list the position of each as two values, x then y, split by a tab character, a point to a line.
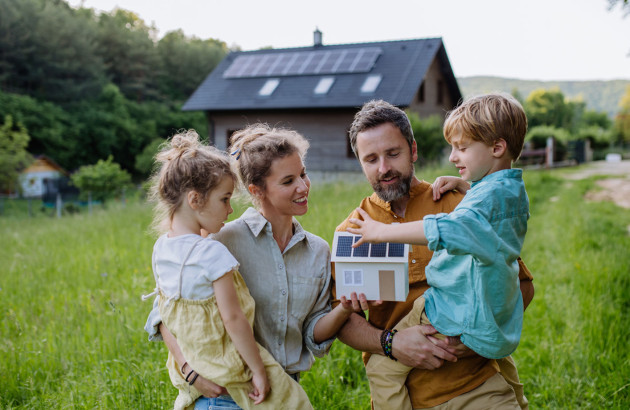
194	378
182	368
387	337
191	372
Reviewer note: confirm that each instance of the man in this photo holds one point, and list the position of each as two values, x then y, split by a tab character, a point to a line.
382	140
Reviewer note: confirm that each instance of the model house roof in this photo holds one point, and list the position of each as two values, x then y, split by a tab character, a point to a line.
342	250
322	76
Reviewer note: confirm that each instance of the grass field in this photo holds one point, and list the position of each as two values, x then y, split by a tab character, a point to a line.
71	316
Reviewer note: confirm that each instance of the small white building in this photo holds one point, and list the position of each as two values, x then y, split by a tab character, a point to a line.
379	270
34	178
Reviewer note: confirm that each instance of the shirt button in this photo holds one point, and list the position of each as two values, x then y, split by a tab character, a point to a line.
279	343
284	291
413	261
280	266
282	318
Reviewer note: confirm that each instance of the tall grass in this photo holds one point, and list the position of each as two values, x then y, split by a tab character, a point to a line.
71	317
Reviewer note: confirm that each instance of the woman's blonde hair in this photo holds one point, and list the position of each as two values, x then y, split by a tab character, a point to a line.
254	148
185	164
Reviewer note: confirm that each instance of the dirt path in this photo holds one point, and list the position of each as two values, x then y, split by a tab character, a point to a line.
616	188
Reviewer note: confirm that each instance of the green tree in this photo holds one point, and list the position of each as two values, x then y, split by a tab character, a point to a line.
622	119
127	47
429	136
13	154
548	107
47	50
103	180
145	161
186	62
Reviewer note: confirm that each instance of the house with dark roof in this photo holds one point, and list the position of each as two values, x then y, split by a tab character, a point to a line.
317	90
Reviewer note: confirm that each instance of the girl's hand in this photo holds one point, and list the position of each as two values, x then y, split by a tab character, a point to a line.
208	388
448	183
261	387
368	228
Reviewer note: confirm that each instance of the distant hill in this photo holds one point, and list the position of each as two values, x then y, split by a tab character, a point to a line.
598	95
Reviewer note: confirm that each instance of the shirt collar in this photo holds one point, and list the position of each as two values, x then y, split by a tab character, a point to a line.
504	173
257	222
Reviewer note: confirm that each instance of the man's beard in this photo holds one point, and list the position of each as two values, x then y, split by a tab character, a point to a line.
400	189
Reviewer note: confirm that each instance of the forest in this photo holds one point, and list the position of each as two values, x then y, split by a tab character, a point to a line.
82	87
87	85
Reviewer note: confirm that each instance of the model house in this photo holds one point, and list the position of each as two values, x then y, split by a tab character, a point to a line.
379	270
316	90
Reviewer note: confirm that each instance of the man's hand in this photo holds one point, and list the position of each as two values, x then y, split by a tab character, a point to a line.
448	183
368	228
412	347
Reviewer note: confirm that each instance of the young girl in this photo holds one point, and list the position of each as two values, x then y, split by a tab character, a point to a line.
202	298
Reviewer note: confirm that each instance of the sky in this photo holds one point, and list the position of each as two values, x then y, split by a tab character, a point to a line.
526	39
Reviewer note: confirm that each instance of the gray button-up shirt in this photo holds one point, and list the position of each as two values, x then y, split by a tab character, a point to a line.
291	288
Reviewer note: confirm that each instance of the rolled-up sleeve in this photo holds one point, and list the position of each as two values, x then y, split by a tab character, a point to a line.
459	232
153	321
320	309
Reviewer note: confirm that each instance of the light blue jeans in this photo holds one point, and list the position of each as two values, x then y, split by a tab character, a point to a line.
219	403
225	402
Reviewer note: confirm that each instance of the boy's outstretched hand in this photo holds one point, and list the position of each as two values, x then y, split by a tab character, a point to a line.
368	228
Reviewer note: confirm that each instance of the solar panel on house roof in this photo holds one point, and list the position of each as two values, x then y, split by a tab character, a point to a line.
337	61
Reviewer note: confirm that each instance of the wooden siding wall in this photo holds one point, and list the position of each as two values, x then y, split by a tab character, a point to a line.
430	105
326	130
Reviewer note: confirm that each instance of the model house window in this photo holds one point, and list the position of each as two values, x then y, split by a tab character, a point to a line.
269	87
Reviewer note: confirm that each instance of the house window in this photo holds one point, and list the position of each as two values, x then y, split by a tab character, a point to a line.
440	92
421	93
323	86
371	83
269	87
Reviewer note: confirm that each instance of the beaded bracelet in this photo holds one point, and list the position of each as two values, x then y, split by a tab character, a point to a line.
386	342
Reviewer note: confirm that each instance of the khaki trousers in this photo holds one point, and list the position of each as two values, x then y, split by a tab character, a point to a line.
387	379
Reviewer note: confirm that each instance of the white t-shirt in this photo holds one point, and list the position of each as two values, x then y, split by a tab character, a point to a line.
208	261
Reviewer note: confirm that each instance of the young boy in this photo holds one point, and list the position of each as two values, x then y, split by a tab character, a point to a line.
473	273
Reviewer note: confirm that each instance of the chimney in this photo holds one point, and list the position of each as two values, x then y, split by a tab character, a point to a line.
317	37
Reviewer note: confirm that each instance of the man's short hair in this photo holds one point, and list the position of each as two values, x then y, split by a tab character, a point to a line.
375	113
487	118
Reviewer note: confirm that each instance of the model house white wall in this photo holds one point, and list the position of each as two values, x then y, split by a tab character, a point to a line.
380	270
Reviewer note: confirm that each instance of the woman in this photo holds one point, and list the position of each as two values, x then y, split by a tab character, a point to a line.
286	269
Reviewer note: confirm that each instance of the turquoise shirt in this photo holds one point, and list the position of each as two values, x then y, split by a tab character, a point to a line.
475	290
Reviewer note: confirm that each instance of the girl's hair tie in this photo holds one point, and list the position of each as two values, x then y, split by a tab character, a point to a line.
237	151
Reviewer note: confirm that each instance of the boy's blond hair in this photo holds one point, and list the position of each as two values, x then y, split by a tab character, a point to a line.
487	118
